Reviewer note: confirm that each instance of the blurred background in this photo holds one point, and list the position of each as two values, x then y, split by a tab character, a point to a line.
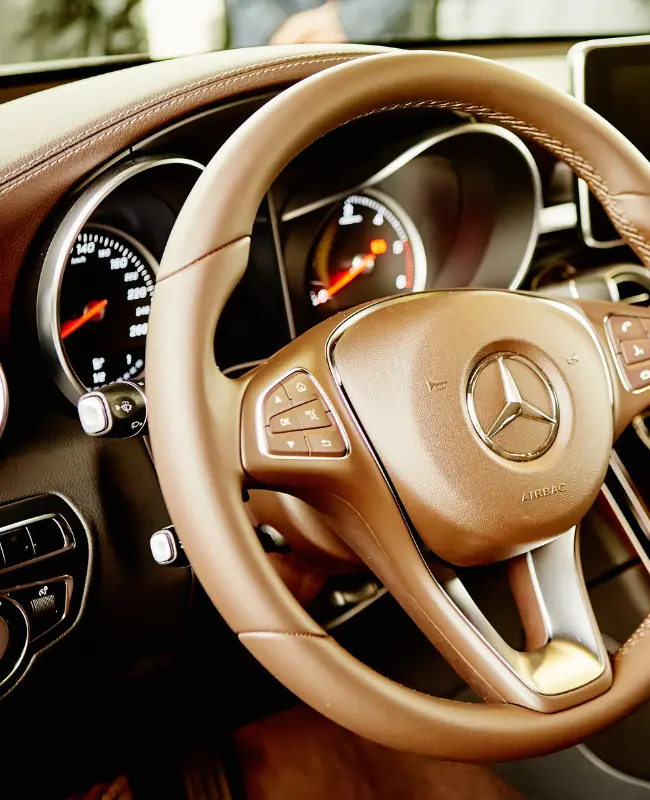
46	30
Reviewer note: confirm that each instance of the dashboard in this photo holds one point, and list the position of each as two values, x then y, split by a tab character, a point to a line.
401	202
438	201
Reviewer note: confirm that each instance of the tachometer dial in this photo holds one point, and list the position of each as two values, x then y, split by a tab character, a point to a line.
368	249
104	306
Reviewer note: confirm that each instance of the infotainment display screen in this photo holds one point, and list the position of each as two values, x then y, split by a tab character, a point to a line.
612	76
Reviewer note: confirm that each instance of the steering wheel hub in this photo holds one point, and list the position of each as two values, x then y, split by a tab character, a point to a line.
492	437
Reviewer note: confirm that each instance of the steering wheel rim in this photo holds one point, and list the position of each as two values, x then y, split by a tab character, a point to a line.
196	413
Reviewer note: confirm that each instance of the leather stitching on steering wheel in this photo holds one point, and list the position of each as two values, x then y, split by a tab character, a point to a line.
577	162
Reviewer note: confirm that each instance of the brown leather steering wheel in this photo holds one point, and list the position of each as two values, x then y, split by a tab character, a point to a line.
462	428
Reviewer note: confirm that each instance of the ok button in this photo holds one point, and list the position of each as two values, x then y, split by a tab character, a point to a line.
635	350
284	423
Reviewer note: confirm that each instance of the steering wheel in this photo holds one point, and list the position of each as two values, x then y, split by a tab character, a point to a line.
434	430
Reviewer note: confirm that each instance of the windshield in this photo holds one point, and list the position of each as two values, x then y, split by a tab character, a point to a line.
46	30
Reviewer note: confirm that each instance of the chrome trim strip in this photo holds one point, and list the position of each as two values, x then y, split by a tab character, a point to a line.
562	217
4	400
356	609
577	56
610	274
426	144
642	430
56	257
625	525
635	504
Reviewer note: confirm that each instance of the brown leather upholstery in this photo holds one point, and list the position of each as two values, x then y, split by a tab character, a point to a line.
195	411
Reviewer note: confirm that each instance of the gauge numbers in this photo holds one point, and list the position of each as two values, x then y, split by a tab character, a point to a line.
104	308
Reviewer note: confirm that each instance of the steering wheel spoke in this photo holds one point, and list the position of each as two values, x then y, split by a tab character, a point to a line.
299	435
564	661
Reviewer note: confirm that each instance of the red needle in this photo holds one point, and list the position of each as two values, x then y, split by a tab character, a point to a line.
366	262
72	325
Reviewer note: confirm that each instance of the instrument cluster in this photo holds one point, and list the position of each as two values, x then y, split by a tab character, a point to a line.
458	206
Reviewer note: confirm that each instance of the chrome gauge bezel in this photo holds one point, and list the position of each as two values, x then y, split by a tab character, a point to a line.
4	400
410	230
56	258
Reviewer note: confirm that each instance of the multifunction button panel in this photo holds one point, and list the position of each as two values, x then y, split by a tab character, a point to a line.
297	420
44	564
629	337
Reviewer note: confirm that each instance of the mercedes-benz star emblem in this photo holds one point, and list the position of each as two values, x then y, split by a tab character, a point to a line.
513	407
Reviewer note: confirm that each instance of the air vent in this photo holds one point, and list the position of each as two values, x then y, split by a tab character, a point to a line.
630	285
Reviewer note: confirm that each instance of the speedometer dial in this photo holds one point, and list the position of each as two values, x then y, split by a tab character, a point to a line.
368	249
104	306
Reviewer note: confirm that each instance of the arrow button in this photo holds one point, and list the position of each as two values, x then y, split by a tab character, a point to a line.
287	444
276	402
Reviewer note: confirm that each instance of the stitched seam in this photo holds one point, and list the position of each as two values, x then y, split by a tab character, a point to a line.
127	123
642	631
182	93
577	162
200	258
